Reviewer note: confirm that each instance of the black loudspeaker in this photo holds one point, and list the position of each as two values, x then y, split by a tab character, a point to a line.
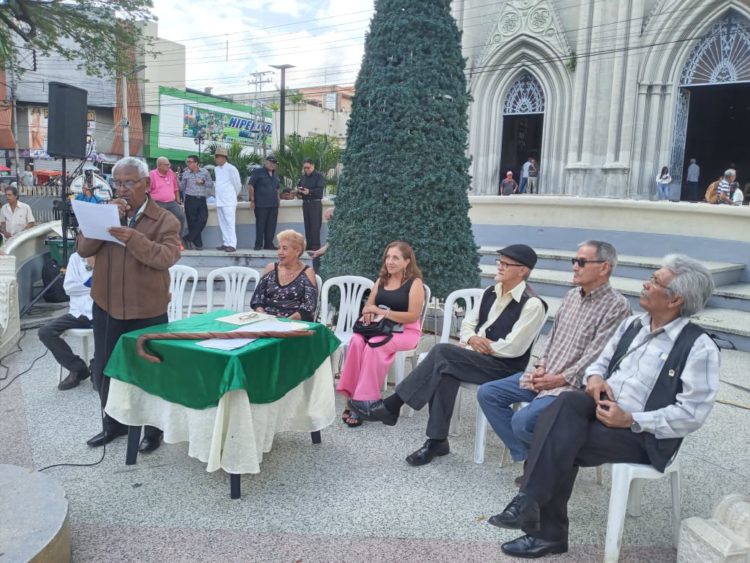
66	124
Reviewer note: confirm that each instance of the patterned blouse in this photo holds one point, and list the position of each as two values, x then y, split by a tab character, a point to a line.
298	296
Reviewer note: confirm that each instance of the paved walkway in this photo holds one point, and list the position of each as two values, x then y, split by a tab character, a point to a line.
353	498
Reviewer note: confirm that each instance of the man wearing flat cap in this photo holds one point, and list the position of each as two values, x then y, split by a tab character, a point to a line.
585	321
227	187
263	186
497	338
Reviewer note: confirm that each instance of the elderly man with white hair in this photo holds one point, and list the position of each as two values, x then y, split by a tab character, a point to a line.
130	285
165	191
654	383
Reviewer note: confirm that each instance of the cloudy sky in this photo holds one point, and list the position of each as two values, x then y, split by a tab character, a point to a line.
226	40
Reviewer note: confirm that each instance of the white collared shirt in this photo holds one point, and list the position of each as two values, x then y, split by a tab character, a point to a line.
15	220
80	295
639	369
524	331
227	185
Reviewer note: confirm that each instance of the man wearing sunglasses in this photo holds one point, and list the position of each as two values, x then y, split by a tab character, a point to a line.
497	338
587	318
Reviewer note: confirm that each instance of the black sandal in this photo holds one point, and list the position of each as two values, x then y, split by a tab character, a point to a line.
345	415
353	420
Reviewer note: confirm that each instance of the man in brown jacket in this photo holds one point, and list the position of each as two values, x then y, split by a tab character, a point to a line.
131	282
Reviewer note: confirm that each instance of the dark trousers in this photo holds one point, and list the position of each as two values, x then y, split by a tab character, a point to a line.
438	377
265	226
50	333
567	436
312	213
691	191
107	331
196	213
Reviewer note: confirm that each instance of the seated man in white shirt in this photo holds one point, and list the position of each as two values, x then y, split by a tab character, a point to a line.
77	285
654	383
15	216
498	337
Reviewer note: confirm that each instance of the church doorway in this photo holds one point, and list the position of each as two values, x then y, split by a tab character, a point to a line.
713	108
523	125
717	131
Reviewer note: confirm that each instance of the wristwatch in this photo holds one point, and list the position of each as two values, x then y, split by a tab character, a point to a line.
635	427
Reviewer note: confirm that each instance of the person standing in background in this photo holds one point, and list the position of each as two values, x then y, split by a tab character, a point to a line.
165	190
263	187
196	184
227	188
691	184
311	188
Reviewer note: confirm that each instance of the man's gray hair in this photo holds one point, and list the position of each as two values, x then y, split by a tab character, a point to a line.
162	159
691	280
131	162
729	172
604	251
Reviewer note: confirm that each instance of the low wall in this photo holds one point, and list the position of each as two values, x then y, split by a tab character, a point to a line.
640	228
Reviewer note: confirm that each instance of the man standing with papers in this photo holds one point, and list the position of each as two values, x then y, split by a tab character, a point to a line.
130	285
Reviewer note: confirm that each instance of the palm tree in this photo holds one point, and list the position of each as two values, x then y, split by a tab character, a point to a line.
323	150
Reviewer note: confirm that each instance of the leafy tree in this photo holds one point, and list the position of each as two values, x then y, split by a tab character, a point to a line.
323	150
405	170
238	155
96	32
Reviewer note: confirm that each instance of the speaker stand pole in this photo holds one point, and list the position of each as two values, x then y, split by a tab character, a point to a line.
64	218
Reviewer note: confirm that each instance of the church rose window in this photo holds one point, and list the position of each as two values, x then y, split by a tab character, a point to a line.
524	97
722	56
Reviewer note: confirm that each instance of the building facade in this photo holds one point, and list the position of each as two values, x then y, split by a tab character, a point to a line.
606	93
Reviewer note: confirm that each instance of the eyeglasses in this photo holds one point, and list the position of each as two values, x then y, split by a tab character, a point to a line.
583	261
127	184
653	280
504	264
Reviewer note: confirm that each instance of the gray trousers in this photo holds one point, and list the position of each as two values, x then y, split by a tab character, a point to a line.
175	209
437	379
50	335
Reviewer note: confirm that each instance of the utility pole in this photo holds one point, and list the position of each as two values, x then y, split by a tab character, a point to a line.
15	118
282	109
258	79
125	117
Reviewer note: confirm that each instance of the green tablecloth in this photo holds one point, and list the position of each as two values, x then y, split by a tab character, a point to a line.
198	377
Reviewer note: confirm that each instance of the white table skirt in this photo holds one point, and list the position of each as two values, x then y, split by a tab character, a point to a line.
234	435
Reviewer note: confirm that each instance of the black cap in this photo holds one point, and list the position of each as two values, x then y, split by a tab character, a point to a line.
271	158
520	253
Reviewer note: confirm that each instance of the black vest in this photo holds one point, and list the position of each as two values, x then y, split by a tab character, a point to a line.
504	323
668	385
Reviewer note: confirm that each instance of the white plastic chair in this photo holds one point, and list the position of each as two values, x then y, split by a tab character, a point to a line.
627	489
399	362
236	279
86	335
179	277
319	286
351	291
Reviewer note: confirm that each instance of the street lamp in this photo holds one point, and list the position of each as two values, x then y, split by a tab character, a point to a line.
125	121
198	139
282	115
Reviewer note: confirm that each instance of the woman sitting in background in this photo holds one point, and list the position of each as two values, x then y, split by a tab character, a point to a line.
398	294
287	288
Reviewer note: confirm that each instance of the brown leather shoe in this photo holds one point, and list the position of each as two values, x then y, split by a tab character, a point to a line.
73	379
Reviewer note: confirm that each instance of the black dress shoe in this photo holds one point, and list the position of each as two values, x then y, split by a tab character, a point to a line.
428	452
149	443
73	379
377	414
531	547
197	247
222	247
521	514
106	436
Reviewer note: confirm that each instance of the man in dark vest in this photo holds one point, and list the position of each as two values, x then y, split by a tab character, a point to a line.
654	383
497	339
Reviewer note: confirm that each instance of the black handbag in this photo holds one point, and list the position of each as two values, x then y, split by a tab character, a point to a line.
383	327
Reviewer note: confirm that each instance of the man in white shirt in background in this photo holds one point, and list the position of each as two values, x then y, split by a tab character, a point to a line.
15	216
525	175
691	182
77	285
227	187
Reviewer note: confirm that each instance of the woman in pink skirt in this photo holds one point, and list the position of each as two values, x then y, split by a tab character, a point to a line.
399	295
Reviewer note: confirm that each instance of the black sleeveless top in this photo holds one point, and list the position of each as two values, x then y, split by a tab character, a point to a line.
395	299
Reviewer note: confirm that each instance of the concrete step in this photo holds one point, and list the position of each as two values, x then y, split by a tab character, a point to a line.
638	267
556	283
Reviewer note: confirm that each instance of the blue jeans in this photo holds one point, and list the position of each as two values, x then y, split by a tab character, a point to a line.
663	190
516	429
522	185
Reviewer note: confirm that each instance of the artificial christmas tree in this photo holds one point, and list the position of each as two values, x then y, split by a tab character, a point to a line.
405	170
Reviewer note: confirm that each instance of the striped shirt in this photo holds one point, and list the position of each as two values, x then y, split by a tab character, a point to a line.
639	369
583	325
189	182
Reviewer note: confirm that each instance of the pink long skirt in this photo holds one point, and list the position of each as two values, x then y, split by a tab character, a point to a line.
365	368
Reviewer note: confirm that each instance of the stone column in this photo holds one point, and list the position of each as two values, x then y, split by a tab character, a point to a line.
10	323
